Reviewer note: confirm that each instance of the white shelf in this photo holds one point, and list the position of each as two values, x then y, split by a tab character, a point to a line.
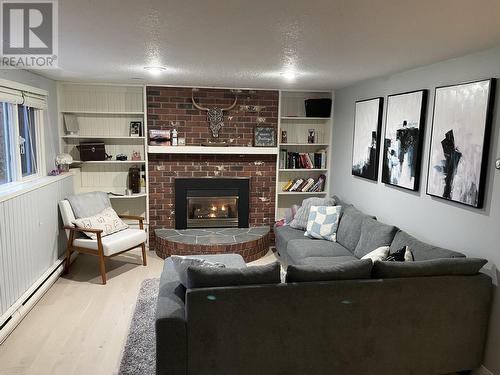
301	192
293	118
109	162
304	144
100	137
103	113
139	195
302	170
212	150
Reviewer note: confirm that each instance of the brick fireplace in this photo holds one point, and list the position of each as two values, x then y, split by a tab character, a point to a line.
170	107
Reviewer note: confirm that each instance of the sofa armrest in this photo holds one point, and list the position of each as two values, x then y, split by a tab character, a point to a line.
170	325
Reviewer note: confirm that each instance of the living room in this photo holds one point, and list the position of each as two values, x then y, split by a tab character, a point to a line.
201	188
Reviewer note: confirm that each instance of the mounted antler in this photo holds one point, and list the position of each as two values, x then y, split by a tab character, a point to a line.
215	115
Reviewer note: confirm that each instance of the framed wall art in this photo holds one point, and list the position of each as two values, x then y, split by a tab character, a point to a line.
460	142
367	126
404	132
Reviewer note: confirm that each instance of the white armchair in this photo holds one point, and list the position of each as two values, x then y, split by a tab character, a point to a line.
104	247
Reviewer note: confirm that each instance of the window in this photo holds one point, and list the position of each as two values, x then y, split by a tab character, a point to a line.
27	140
21	132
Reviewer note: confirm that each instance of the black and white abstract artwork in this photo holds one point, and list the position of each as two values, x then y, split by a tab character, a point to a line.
404	130
367	124
460	142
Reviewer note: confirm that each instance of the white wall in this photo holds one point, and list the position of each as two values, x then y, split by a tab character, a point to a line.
475	232
51	132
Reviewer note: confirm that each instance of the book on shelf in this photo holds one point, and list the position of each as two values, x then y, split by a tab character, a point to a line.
305	185
302	160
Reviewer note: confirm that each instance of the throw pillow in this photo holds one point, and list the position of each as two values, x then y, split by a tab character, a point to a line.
355	269
402	255
435	267
379	253
182	263
373	235
300	219
208	277
323	222
106	220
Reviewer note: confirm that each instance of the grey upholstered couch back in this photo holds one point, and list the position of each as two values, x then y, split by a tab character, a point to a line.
427	325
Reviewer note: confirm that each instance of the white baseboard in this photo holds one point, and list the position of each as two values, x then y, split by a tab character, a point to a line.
482	371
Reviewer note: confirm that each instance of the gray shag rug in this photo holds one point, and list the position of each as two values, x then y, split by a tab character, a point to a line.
139	354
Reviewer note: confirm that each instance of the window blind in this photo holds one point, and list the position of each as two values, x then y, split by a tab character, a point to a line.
21	94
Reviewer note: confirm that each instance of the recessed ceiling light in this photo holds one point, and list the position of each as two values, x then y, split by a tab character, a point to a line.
289	75
155	70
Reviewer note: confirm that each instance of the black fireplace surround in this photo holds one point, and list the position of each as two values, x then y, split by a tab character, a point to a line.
212	187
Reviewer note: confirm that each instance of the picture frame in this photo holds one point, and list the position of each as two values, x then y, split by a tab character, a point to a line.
460	141
264	136
366	138
135	129
403	139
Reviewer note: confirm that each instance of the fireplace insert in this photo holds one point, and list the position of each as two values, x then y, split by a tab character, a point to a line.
211	202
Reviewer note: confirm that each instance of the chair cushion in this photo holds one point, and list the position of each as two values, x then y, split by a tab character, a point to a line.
89	204
107	220
212	277
433	267
349	230
374	234
116	242
300	249
421	250
356	269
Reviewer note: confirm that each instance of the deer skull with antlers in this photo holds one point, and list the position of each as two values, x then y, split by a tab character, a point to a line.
215	115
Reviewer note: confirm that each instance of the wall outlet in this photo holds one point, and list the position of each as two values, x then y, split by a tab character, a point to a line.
497	163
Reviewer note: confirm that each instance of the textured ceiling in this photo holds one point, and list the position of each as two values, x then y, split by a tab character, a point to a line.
234	43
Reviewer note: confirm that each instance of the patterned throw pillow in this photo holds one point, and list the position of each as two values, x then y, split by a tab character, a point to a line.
323	222
402	255
302	215
106	220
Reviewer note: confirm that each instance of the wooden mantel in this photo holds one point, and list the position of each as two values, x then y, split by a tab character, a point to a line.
236	150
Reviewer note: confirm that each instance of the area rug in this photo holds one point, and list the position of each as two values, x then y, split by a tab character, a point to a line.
140	350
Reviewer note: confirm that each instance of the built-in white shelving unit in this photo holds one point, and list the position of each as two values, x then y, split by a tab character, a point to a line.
293	120
104	113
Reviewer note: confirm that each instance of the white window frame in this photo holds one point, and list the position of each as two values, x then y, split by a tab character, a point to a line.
16	166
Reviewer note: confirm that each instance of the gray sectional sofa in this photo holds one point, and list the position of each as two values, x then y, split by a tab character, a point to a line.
366	326
293	248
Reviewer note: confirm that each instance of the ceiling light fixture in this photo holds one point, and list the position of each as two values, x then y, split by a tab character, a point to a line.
155	70
289	75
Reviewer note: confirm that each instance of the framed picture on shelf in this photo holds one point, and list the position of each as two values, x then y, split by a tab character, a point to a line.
135	129
404	132
159	137
460	140
264	136
367	126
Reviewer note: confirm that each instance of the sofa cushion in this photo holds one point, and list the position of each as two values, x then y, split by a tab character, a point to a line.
286	233
302	215
433	267
349	229
300	249
116	242
326	261
323	222
421	250
209	277
356	269
374	235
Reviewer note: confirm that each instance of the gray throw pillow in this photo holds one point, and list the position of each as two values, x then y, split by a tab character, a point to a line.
434	267
204	277
356	269
373	235
302	215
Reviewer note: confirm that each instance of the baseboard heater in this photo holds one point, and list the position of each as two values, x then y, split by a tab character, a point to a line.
16	313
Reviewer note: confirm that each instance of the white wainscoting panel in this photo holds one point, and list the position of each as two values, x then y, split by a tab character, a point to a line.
31	240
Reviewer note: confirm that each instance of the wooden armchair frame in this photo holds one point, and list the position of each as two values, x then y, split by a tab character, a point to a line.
99	252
